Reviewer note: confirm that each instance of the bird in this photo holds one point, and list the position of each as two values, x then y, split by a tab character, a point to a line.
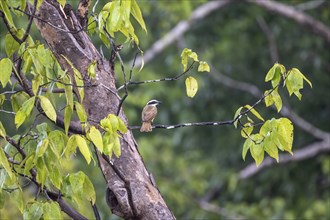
149	113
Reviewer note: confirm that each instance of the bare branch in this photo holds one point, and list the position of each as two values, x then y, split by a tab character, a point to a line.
181	28
298	16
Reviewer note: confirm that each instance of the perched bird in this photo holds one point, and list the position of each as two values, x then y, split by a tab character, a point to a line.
149	113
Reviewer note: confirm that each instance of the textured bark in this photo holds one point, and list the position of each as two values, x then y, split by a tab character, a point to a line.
132	193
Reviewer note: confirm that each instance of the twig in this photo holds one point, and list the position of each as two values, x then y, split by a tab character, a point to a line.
159	80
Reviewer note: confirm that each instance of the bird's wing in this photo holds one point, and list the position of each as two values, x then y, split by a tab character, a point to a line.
149	113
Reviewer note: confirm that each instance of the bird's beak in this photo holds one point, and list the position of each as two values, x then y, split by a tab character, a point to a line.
159	102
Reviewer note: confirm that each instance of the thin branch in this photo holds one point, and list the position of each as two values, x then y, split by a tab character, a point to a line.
310	5
159	80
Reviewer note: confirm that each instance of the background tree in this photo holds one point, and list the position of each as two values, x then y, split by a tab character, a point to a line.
197	168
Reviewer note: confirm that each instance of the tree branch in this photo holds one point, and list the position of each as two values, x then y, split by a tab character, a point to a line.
298	16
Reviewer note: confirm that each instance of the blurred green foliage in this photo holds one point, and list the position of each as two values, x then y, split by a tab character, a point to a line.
190	163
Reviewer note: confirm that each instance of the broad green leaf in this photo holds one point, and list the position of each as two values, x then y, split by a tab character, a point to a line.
271	73
24	111
273	98
297	71
34	212
257	150
122	127
203	67
6	68
48	108
55	175
29	163
42	147
246	130
254	112
41	172
191	86
81	112
116	146
82	145
45	56
184	58
285	130
36	62
57	141
71	146
37	80
136	12
4	8
246	147
5	163
106	124
88	190
95	136
271	148
17	3
67	118
11	45
69	95
2	131
114	122
91	70
17	198
238	111
107	144
18	99
51	211
91	25
77	183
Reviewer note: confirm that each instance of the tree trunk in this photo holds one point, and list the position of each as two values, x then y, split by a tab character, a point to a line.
131	192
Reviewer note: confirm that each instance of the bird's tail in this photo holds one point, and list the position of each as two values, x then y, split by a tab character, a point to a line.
146	127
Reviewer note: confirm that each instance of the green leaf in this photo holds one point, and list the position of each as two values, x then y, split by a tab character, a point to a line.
89	190
203	67
121	126
48	108
6	68
246	130
116	146
2	131
67	118
34	212
273	98
42	147
37	80
257	149
82	145
6	11
17	197
17	100
51	211
45	56
81	112
187	53
114	122
62	2
57	141
71	146
29	163
238	111
271	148
106	124
5	163
95	136
271	73
69	95
136	12
77	182
91	69
24	111
191	86
107	144
246	147
285	130
41	172
254	112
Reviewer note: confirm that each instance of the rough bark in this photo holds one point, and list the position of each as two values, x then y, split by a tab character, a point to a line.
131	191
